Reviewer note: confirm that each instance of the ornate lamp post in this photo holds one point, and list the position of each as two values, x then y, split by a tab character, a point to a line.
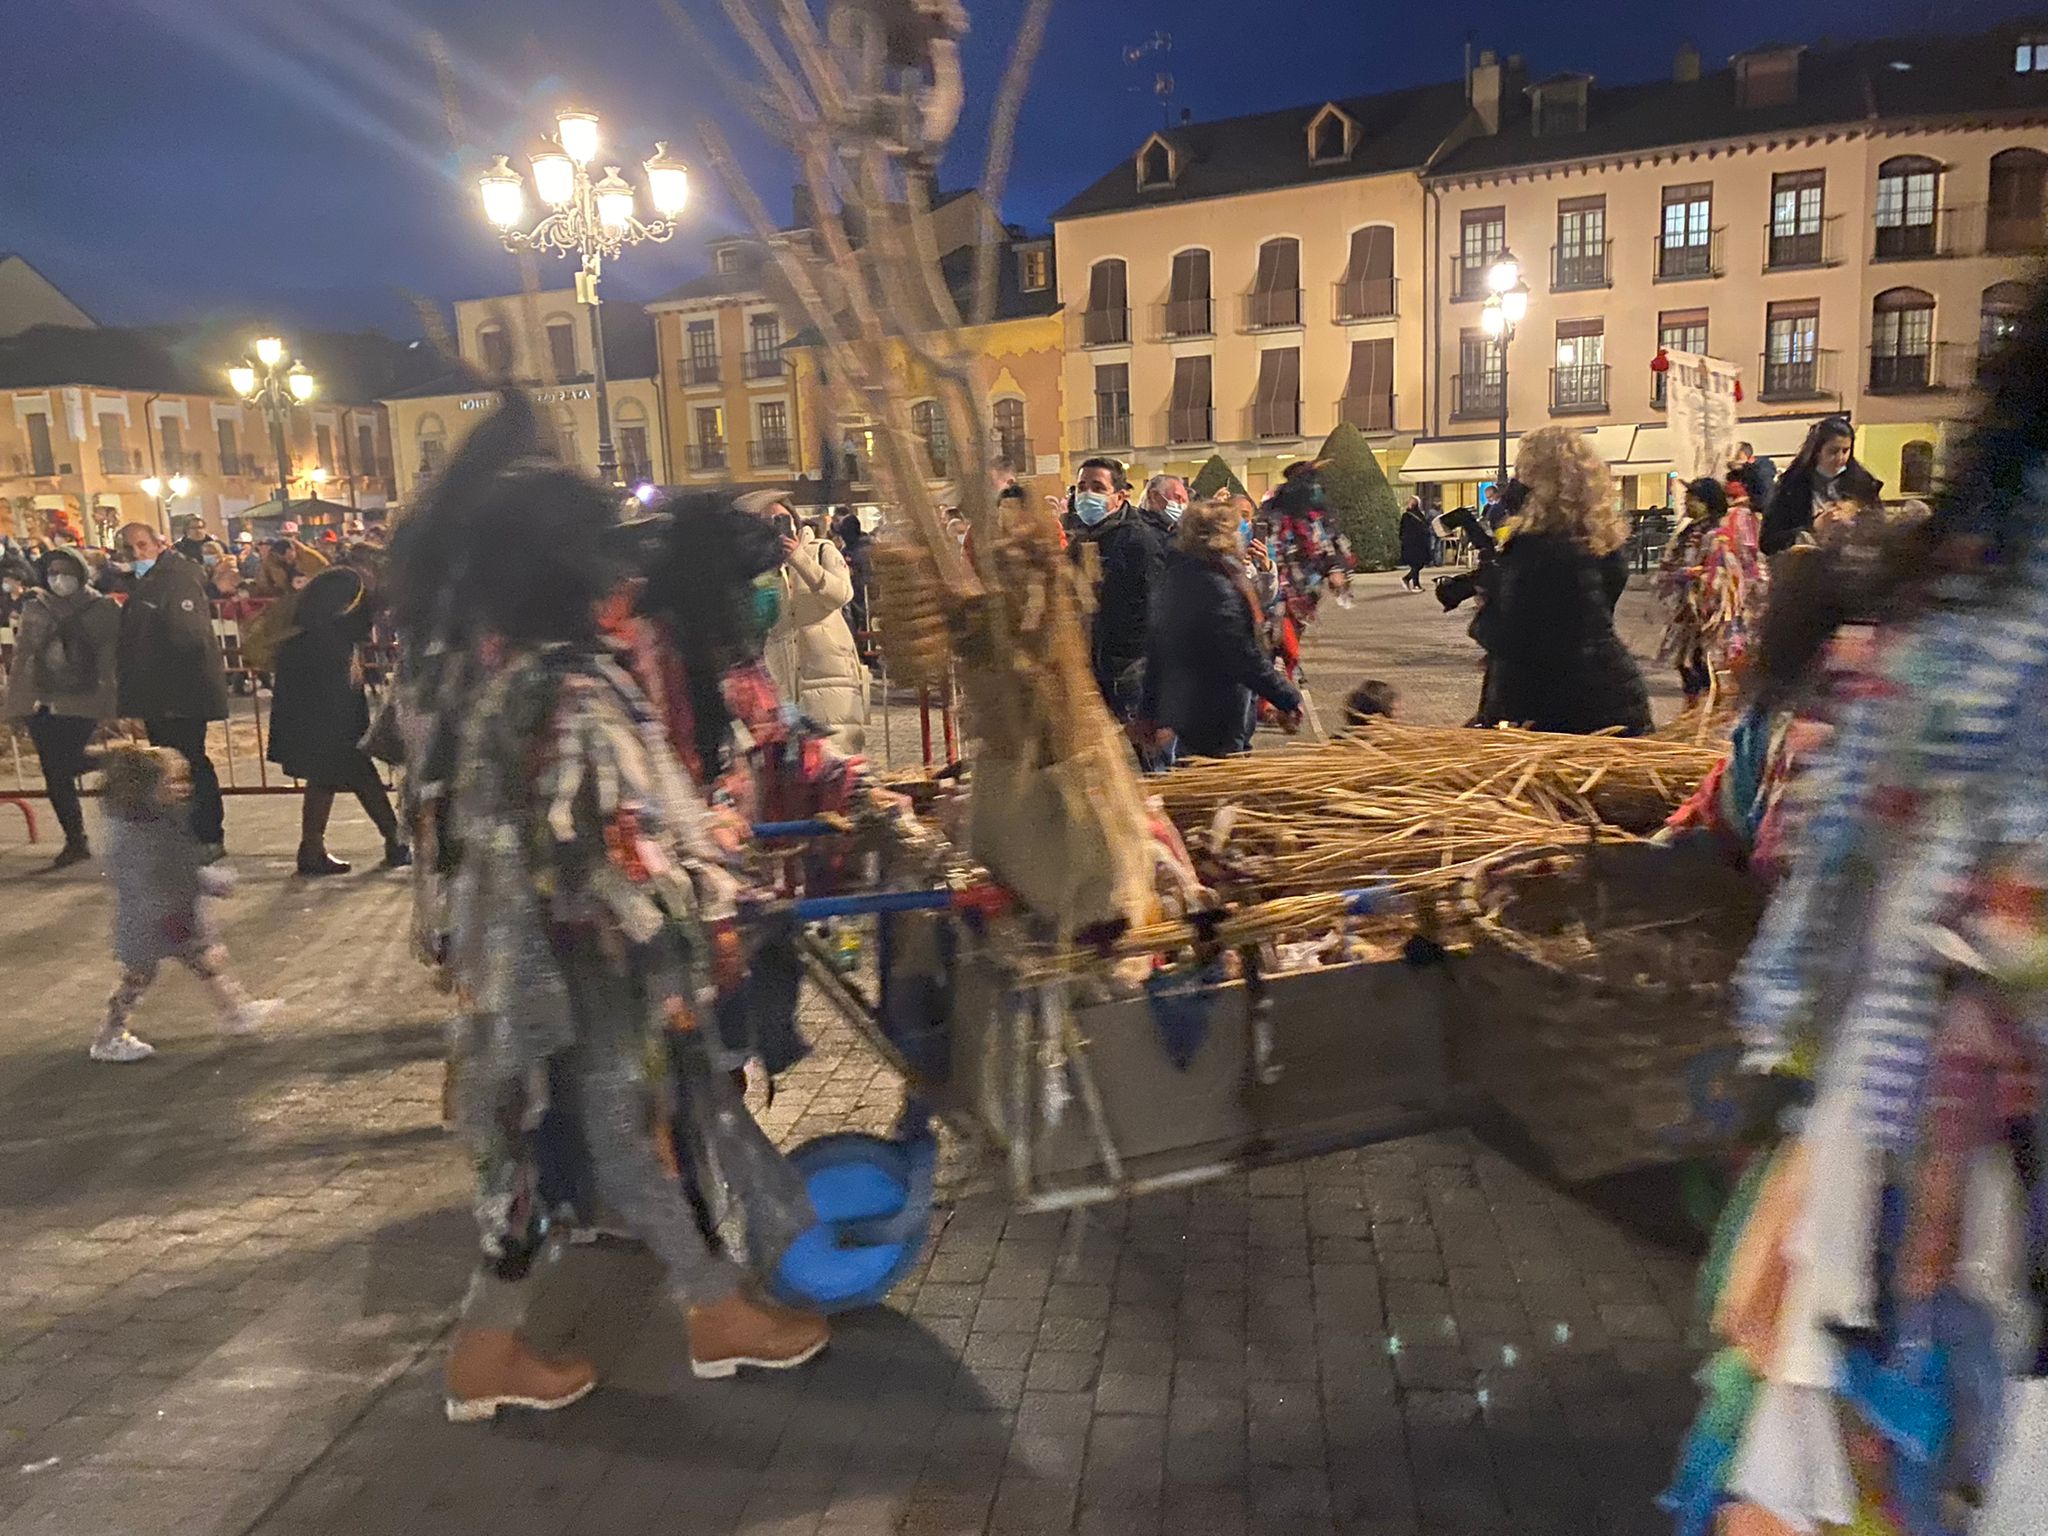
1507	301
594	219
163	491
276	386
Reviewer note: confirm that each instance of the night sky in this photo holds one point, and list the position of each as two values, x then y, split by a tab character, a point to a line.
169	159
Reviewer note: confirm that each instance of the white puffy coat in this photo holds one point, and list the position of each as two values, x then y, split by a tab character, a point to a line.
810	651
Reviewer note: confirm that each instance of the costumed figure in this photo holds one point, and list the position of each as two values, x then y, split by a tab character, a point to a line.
589	934
1708	580
1880	1281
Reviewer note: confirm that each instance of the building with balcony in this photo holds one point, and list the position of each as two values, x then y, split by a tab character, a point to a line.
540	341
1241	286
1848	224
87	413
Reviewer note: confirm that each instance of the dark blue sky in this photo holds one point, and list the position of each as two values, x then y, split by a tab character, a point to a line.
173	158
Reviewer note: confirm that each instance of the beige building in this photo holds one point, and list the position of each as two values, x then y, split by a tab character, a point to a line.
542	342
1242	286
87	415
733	402
1846	224
28	298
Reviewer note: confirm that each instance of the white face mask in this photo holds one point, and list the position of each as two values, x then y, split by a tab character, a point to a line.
64	584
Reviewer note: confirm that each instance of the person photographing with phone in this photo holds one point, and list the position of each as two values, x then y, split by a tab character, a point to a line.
811	652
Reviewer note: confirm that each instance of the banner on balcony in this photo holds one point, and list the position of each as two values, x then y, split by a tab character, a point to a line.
1699	408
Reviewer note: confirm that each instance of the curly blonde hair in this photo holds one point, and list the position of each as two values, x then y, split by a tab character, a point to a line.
131	774
1571	492
1208	529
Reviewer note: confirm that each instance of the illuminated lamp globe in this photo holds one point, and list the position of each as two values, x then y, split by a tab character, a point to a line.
152	487
578	132
614	199
504	196
242	379
269	350
668	182
301	382
1504	273
181	487
554	177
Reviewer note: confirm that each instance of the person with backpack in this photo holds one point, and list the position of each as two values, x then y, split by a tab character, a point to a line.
63	683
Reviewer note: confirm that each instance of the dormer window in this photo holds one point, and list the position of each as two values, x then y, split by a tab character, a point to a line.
1560	105
729	259
1332	135
2030	55
1156	164
1769	77
1034	269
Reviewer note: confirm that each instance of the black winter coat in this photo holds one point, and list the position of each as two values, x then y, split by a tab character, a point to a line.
1203	660
1132	551
318	712
1789	510
1554	661
1418	544
170	665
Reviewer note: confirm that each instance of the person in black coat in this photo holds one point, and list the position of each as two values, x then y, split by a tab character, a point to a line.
1203	659
1418	543
1554	661
169	666
1824	472
319	716
1128	552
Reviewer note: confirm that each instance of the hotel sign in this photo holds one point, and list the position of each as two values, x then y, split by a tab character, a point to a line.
540	397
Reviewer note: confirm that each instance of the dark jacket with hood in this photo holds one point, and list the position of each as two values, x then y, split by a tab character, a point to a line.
170	663
64	649
1554	661
1204	662
318	712
1131	551
1789	511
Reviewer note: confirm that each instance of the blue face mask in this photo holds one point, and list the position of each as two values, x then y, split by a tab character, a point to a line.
1091	507
142	566
1173	510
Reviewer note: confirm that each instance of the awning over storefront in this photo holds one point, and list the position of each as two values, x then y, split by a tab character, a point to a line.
1478	458
1777	437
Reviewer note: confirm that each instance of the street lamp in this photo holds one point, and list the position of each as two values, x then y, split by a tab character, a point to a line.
595	219
165	491
276	386
1507	301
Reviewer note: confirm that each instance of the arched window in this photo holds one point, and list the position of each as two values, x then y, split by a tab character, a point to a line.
1916	467
2019	197
1366	291
1011	442
431	437
1908	195
929	423
1275	298
562	347
1107	319
1998	317
1189	306
1901	339
496	348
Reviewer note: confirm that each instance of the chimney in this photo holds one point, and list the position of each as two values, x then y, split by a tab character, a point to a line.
1685	68
1187	115
801	213
1486	90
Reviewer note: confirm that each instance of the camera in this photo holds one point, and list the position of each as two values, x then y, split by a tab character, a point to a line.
1451	591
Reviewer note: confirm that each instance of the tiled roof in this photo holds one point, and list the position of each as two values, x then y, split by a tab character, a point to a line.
352	367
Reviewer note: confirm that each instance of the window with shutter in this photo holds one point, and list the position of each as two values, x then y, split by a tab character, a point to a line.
1189	415
1190	309
1367	291
1276	292
1107	320
1368	402
1276	405
2019	193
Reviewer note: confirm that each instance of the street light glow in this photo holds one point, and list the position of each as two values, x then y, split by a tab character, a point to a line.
1504	273
1491	320
614	199
579	135
554	177
317	474
1514	302
242	380
301	382
269	349
181	487
152	487
504	198
668	181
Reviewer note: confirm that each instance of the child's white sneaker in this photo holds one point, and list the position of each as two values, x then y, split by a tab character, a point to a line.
121	1047
251	1016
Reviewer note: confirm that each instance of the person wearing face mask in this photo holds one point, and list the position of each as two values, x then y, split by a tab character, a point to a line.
171	675
1122	552
17	580
62	684
810	649
1164	503
1824	475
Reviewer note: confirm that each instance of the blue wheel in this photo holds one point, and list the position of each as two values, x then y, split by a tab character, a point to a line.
873	1199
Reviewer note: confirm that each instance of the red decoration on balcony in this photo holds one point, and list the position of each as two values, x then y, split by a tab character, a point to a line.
1738	391
1661	363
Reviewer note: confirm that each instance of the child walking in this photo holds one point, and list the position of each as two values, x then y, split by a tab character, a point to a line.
162	887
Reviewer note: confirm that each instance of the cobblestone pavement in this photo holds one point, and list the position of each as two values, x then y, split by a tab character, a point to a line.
227	1273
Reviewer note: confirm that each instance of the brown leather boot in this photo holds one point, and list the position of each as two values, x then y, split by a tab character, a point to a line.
740	1330
491	1368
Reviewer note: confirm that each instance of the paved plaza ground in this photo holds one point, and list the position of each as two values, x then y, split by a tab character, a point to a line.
227	1274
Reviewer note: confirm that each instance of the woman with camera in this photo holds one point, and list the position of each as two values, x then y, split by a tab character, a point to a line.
1554	661
811	652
